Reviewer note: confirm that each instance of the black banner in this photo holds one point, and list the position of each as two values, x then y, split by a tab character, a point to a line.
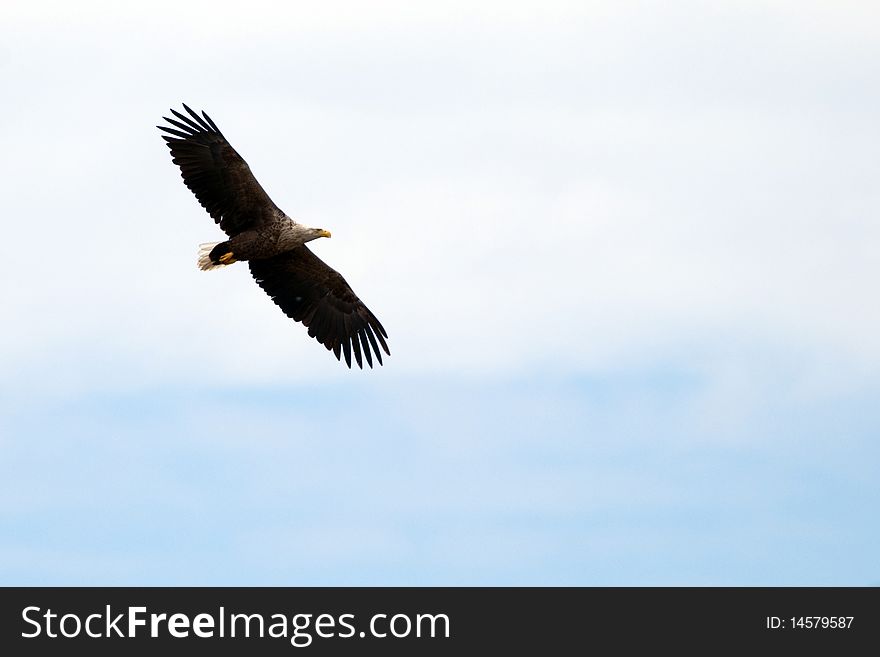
433	621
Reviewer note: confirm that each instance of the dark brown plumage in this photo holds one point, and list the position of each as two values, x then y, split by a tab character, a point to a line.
300	283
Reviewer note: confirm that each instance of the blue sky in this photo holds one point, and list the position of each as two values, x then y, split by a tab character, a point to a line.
626	256
614	480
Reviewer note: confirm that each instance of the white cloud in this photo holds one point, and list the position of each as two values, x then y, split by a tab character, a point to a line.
582	184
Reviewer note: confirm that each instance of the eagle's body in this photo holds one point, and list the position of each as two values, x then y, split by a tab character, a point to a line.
273	244
272	239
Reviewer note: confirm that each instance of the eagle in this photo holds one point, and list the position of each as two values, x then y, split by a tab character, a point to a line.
273	244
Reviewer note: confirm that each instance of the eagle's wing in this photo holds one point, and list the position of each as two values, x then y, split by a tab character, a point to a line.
311	292
216	174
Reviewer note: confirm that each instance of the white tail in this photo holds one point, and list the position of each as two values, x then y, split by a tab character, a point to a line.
205	263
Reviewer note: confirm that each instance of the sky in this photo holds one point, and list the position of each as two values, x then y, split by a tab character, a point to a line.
626	254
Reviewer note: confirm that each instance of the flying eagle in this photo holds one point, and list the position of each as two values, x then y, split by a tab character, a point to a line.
273	244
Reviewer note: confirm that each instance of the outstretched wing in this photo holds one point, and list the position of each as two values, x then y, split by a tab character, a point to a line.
218	176
311	292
